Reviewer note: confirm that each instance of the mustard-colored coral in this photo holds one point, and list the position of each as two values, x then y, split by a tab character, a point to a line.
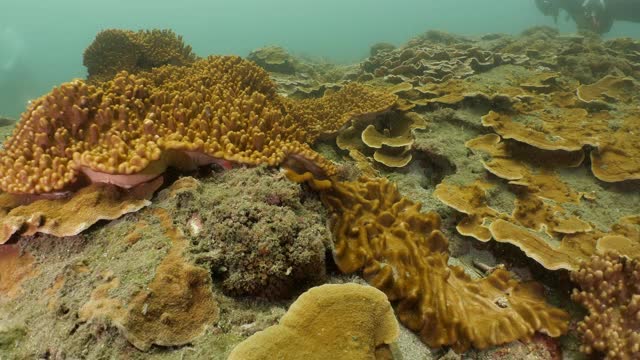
544	231
17	266
389	137
610	291
333	321
401	251
68	215
115	50
129	129
606	121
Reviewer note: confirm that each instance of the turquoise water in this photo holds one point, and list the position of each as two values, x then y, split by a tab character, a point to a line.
41	42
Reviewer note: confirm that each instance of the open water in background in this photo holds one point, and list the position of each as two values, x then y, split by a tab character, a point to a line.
41	41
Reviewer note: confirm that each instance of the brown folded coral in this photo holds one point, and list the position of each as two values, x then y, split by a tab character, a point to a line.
402	252
128	130
610	291
607	121
68	215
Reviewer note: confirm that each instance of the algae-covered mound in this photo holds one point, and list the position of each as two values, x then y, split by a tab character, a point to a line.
144	281
260	234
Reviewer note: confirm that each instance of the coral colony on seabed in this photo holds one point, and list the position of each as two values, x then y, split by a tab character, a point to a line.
453	196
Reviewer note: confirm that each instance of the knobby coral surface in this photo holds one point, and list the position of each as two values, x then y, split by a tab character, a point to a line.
115	50
610	291
129	129
402	252
340	321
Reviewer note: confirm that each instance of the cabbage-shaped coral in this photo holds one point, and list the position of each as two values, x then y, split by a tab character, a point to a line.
115	50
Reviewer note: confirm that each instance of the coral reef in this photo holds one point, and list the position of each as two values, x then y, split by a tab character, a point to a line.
129	129
299	77
71	214
146	278
388	138
273	59
402	252
531	142
115	50
582	57
341	321
610	291
261	236
433	58
379	47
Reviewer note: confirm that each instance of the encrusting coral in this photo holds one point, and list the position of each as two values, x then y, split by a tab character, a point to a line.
116	50
402	252
17	266
609	288
175	308
67	215
333	321
128	130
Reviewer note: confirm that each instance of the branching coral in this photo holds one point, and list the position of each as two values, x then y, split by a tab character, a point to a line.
115	50
129	129
610	291
342	321
402	252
